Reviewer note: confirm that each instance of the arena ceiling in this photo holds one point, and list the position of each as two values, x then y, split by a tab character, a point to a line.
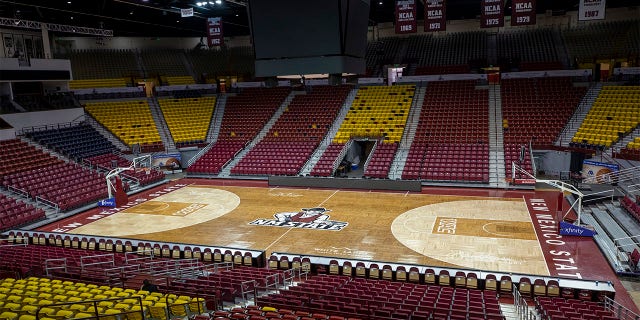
158	18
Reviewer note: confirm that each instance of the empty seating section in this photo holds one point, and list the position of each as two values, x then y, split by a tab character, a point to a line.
97	83
631	151
294	136
188	119
540	66
209	62
67	185
45	298
381	52
237	128
103	64
558	308
528	46
452	53
227	281
602	41
369	298
615	113
76	141
14	213
275	158
106	161
631	206
18	156
39	174
241	60
328	161
178	80
512	153
130	121
260	103
451	140
226	61
536	110
163	63
377	112
449	69
31	258
380	161
216	157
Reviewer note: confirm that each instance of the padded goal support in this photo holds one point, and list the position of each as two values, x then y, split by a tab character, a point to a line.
119	194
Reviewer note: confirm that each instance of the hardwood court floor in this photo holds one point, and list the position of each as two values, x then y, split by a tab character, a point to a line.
440	230
492	230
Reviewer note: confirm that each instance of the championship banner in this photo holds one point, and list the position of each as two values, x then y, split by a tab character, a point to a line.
591	10
598	172
435	15
214	32
186	12
492	13
406	17
523	12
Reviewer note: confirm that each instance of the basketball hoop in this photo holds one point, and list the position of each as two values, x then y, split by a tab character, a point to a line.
138	165
563	186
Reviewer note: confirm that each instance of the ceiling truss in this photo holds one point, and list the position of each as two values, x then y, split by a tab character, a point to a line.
28	24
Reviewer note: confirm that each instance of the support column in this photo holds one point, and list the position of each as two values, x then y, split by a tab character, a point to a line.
46	44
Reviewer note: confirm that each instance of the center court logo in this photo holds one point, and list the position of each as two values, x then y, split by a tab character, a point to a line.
309	218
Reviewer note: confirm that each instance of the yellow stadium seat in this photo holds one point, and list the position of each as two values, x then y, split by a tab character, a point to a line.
49	312
7	315
64	314
82	315
29	309
159	311
179	308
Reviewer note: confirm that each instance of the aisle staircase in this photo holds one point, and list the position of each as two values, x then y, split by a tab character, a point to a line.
496	139
226	170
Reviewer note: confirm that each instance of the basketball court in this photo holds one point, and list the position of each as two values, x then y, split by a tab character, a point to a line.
490	230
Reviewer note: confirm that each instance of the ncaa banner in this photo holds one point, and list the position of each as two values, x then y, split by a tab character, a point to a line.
186	12
406	17
435	15
492	13
591	10
523	12
214	32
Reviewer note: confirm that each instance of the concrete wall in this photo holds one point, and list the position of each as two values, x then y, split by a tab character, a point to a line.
552	162
41	118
